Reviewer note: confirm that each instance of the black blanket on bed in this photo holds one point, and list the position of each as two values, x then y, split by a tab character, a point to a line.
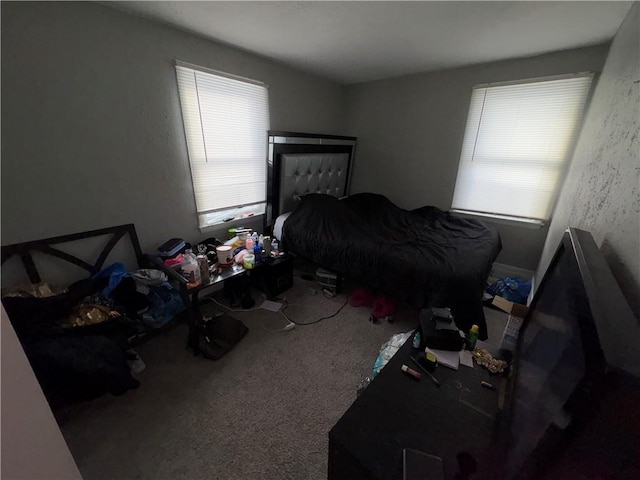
425	255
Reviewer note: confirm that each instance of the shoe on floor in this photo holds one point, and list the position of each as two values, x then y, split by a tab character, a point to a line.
383	307
361	297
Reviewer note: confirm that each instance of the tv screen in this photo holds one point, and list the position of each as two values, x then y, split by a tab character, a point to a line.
558	351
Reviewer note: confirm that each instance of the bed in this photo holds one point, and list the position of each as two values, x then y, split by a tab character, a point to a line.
425	256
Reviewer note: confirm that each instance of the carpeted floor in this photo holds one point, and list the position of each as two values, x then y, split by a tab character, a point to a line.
263	411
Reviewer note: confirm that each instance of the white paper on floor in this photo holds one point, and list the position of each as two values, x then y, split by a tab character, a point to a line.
271	306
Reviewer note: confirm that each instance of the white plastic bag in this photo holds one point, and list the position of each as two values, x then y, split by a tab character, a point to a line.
389	349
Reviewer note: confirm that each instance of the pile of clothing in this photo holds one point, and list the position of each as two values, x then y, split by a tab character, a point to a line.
79	340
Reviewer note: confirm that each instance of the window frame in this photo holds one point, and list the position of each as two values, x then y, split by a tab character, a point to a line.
525	221
208	219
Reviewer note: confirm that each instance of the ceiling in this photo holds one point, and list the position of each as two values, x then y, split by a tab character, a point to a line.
352	42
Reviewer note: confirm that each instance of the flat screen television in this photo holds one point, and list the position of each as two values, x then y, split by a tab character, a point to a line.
579	331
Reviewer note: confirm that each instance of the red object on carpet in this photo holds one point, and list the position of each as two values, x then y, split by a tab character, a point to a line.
383	307
361	297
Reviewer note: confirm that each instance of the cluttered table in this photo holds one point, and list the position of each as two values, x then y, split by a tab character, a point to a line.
457	421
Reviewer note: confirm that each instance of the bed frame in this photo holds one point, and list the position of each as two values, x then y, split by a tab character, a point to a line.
302	163
25	250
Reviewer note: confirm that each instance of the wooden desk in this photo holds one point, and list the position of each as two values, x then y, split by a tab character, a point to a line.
397	412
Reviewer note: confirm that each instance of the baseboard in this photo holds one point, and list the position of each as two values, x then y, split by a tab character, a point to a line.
500	270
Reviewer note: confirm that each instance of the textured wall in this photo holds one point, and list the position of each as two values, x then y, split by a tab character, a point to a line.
92	133
410	131
601	191
32	445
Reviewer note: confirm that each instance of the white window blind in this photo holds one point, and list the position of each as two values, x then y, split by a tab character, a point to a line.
516	145
226	122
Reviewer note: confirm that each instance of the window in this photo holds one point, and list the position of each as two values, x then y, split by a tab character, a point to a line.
226	119
516	146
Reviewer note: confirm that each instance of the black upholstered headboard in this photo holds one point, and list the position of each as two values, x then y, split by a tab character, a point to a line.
302	163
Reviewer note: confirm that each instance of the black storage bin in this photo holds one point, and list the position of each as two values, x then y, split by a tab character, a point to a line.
273	276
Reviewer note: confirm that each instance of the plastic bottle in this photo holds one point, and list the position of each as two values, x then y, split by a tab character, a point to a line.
472	337
203	263
416	340
191	269
275	248
257	251
250	244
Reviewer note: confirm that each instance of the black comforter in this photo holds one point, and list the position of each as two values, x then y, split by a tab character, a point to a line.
424	255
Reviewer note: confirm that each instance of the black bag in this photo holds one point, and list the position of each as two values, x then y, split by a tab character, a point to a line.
440	333
219	334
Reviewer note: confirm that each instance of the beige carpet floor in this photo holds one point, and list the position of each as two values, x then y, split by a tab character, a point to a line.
262	412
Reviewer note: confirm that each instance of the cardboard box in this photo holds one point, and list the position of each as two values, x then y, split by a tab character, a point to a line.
516	309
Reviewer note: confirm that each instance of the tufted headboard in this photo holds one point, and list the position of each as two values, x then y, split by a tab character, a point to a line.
302	163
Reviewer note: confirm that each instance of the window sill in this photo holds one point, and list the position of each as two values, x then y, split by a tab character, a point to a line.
216	227
530	223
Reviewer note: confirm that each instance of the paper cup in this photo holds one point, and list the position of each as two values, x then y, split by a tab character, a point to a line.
225	255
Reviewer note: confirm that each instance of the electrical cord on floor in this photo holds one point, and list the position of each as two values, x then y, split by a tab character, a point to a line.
290	326
264	297
285	304
286	328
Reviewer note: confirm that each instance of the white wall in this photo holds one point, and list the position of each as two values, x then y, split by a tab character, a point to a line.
32	444
410	131
91	129
601	192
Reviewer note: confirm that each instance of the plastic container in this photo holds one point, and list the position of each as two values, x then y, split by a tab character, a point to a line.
250	243
472	337
249	261
416	340
266	244
257	251
191	269
225	255
171	248
203	263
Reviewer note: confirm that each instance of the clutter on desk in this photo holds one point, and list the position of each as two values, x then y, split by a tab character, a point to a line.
225	255
420	363
439	331
472	337
411	372
205	272
484	358
247	241
249	260
466	358
446	358
191	269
